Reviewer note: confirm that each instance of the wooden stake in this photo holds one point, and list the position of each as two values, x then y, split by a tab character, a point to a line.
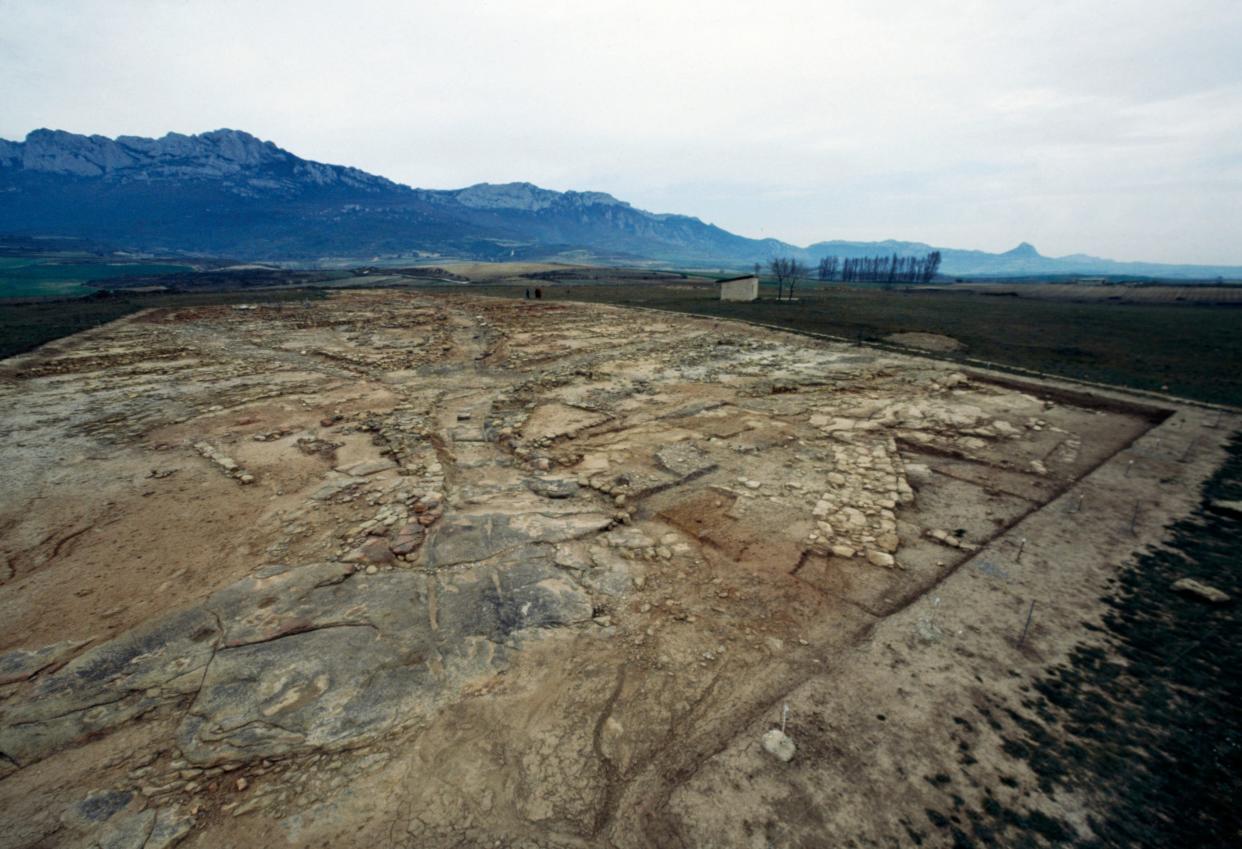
1029	613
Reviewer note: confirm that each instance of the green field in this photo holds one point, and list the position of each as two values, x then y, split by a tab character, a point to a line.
36	277
1186	350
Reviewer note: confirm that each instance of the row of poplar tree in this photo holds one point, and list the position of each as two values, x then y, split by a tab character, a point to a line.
877	269
881	269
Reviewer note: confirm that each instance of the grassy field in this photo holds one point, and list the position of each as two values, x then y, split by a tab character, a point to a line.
26	325
1225	295
38	277
1186	350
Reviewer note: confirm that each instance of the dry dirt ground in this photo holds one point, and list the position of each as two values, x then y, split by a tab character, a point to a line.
926	341
404	570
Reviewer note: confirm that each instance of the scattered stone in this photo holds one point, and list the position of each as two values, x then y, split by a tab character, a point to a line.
553	487
408	538
1201	591
927	630
317	447
880	558
918	474
779	745
372	551
223	462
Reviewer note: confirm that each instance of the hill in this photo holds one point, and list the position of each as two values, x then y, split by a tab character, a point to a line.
227	193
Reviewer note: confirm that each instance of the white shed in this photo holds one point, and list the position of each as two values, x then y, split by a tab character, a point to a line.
744	288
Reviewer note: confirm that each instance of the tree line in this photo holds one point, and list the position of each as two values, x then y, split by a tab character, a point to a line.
881	269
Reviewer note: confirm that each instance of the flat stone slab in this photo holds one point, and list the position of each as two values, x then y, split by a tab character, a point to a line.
150	829
333	486
301	659
157	663
21	664
685	460
314	660
471	538
553	487
367	467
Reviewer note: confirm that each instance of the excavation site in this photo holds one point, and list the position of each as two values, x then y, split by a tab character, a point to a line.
431	569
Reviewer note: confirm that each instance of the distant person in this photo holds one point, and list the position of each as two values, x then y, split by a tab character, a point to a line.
528	293
538	293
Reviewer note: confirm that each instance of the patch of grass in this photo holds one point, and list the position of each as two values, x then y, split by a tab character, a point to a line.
33	277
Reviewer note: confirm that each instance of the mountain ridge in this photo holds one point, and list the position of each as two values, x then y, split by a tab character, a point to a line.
229	193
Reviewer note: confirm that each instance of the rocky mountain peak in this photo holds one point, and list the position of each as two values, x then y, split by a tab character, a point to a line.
527	197
61	152
1023	251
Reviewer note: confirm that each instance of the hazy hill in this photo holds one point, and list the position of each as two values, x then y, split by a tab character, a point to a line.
227	193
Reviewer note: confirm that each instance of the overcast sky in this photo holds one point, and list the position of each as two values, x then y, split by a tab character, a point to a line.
1110	128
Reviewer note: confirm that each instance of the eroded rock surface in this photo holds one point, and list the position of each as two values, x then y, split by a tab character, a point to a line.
495	572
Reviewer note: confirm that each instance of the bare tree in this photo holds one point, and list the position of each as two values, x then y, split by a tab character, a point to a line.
797	271
787	272
776	267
